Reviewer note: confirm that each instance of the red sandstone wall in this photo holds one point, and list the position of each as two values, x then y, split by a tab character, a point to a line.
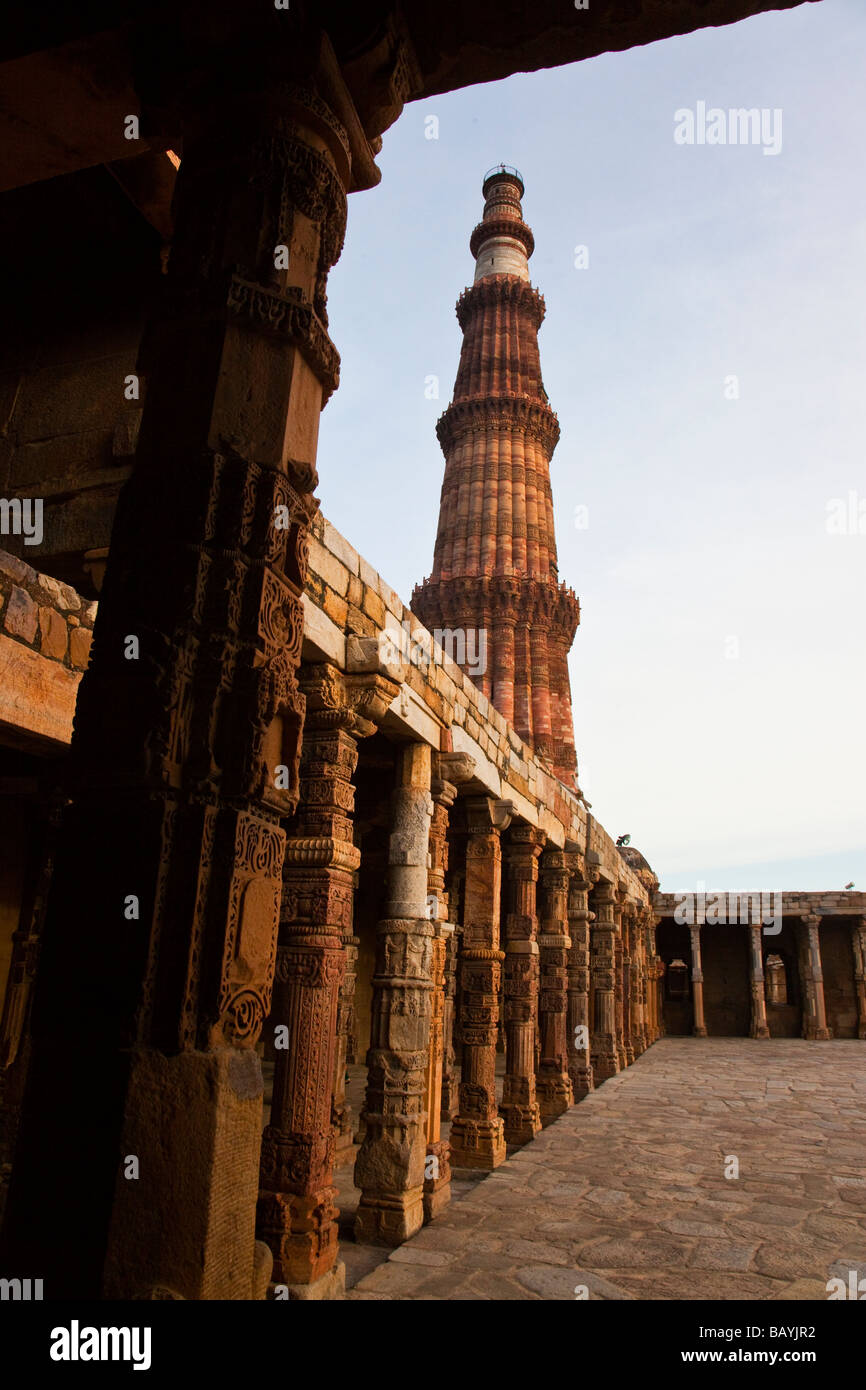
45	635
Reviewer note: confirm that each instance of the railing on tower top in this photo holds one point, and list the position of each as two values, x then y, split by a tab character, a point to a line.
503	169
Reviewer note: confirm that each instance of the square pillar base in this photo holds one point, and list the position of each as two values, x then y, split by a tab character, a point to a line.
582	1082
478	1144
389	1220
522	1123
302	1232
436	1199
555	1096
605	1065
331	1285
437	1187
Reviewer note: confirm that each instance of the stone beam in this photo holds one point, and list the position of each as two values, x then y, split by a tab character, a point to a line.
485	41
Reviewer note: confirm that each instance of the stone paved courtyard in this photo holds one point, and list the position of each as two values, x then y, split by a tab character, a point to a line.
627	1193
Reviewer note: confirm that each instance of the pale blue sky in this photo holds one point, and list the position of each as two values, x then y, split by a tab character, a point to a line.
707	515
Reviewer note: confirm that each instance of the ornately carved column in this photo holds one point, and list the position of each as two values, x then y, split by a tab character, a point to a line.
646	980
640	1028
620	980
660	991
437	1167
437	1178
477	1132
700	1027
758	1028
632	977
519	1107
578	1022
645	928
448	1107
858	942
812	979
627	979
297	1217
553	1082
605	1057
390	1165
161	938
341	1111
658	972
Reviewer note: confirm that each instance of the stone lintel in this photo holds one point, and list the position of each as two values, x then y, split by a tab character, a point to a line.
323	640
409	717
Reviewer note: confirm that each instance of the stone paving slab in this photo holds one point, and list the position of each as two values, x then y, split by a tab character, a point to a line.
627	1194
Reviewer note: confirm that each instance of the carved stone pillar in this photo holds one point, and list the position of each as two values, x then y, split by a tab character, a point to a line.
812	980
657	981
646	929
448	1107
654	1028
858	942
605	1057
629	982
578	1021
640	1028
478	1132
296	1214
758	1026
437	1176
660	989
437	1170
341	1111
653	981
186	744
519	1107
620	978
390	1165
700	1027
553	1082
633	1016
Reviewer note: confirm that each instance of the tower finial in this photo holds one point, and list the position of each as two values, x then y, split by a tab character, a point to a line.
502	243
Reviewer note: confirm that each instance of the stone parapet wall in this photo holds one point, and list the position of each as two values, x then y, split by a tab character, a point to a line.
46	615
793	904
45	633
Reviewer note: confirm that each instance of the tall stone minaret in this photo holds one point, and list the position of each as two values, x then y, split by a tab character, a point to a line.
494	566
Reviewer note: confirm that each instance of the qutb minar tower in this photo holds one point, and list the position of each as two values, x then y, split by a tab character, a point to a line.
494	566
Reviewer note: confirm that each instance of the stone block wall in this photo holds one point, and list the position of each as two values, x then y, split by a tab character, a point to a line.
45	633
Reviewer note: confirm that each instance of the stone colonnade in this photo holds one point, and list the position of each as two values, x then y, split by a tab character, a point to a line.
624	973
764	989
312	994
525	937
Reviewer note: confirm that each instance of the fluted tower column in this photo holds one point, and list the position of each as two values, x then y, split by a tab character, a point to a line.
494	566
